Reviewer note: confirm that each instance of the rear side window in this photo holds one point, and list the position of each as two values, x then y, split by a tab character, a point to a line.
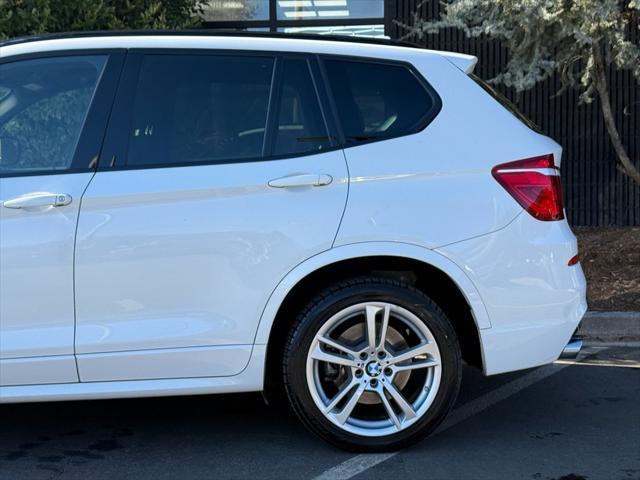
199	108
378	100
300	124
43	106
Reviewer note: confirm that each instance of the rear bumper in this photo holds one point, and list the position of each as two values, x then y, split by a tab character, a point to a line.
520	347
533	299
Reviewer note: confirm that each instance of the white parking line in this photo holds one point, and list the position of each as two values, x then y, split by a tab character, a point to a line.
355	465
360	463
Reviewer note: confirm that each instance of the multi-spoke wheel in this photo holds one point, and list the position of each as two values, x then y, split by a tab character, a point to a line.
372	364
373	368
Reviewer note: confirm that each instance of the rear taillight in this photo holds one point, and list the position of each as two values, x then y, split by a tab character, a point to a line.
535	184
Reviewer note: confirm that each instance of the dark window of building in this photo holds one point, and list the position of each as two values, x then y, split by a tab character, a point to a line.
342	17
300	126
320	10
378	100
200	108
43	106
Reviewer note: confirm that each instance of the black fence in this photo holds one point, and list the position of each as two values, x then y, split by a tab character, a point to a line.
596	193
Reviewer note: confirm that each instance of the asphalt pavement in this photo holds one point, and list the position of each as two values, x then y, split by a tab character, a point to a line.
570	420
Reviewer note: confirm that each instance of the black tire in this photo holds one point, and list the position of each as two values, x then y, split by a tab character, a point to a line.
333	300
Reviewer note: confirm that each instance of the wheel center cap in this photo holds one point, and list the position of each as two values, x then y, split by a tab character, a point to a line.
373	369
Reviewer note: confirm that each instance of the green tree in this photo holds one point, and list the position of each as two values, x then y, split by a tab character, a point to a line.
578	39
27	17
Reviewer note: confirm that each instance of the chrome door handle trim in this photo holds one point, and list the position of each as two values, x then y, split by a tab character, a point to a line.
39	199
302	180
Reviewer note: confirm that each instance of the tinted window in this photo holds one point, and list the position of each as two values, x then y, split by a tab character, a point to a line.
43	106
199	108
376	100
300	126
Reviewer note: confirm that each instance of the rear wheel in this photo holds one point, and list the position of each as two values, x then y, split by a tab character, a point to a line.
372	364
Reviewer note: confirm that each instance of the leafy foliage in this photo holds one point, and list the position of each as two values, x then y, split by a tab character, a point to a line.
26	17
48	130
546	36
576	39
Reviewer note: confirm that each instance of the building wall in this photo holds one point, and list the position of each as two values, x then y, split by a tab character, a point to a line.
596	193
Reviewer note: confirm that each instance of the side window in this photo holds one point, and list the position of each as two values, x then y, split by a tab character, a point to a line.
377	100
199	108
300	124
43	107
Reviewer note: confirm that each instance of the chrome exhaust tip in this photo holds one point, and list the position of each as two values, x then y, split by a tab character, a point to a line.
572	349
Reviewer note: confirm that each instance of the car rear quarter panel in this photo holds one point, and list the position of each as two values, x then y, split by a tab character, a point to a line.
435	187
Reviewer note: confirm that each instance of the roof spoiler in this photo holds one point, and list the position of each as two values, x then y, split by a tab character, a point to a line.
464	62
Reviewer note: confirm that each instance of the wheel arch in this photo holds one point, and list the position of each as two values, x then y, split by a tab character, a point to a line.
429	271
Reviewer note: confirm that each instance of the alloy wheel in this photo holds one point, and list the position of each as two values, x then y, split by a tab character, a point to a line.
373	369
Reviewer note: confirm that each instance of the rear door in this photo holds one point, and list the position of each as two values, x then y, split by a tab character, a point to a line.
221	175
53	112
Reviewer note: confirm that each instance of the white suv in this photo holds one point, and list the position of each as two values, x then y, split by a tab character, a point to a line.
192	214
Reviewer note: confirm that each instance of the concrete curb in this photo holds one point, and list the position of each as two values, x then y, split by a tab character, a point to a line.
610	326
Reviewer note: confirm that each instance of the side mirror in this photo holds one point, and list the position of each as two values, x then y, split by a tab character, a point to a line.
10	152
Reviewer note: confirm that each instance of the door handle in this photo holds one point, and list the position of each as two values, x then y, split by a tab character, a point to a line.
302	180
39	199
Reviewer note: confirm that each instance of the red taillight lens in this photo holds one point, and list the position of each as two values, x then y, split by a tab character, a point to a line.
574	260
535	184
